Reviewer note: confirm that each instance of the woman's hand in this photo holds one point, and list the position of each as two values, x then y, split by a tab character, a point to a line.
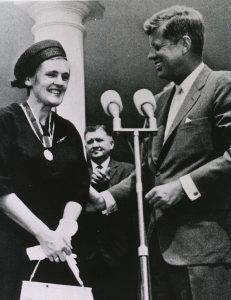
54	245
67	228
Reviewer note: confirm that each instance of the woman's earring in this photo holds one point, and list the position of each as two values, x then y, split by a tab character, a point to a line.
28	82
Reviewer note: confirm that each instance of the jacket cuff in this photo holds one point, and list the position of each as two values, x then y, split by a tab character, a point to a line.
111	205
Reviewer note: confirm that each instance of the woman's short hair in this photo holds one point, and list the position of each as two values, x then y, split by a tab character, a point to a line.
177	21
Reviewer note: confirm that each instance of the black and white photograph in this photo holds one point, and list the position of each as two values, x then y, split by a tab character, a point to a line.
115	150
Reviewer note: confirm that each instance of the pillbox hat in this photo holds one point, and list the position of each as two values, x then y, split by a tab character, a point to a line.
32	57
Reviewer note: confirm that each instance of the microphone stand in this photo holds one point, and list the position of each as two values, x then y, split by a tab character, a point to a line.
142	249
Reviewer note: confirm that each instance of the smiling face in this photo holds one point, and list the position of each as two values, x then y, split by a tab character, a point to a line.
98	145
167	56
50	81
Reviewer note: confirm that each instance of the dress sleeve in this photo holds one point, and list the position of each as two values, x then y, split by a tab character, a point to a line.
79	182
6	137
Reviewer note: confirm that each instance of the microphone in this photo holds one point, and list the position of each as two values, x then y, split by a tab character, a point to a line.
146	105
112	106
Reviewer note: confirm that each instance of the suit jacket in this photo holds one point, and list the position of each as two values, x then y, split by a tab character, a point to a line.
198	143
112	236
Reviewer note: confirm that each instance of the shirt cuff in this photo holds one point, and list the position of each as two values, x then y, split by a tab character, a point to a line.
111	205
190	187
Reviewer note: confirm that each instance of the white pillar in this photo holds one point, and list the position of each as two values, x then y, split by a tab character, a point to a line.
63	21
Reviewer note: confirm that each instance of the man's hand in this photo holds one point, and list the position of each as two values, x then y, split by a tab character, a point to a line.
98	177
165	195
96	202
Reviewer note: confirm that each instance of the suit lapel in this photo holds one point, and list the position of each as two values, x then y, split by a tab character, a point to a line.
161	114
112	168
190	100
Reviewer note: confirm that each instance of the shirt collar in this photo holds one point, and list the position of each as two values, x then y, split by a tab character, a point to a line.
188	82
103	164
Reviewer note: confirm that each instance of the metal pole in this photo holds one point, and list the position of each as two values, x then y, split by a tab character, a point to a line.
145	286
143	249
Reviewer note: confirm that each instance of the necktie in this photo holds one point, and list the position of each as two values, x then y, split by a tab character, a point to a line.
174	108
101	186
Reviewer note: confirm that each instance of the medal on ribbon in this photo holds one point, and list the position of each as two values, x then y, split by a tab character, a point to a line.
48	154
46	140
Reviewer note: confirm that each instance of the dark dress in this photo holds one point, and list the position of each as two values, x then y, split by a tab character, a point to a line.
44	186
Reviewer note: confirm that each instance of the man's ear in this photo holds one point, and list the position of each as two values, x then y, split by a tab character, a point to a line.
28	81
86	150
186	43
112	144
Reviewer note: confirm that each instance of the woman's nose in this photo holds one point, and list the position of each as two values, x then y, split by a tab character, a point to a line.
59	80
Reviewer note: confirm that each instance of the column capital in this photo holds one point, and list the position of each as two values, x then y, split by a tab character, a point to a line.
72	13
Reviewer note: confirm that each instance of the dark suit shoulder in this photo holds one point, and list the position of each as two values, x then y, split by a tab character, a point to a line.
121	164
219	85
224	73
119	170
223	78
220	76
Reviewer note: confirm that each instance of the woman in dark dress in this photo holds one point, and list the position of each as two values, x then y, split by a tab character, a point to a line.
44	179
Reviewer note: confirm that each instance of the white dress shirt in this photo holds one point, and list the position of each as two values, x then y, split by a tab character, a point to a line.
104	165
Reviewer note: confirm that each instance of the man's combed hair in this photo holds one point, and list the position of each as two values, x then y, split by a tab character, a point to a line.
93	128
177	21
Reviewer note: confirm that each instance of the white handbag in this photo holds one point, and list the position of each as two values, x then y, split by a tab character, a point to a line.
32	290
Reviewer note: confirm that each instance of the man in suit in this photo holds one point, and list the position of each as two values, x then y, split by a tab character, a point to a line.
107	242
189	164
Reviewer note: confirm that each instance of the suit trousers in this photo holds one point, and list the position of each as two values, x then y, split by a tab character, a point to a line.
196	282
108	282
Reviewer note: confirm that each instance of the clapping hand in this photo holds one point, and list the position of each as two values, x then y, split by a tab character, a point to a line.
99	177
